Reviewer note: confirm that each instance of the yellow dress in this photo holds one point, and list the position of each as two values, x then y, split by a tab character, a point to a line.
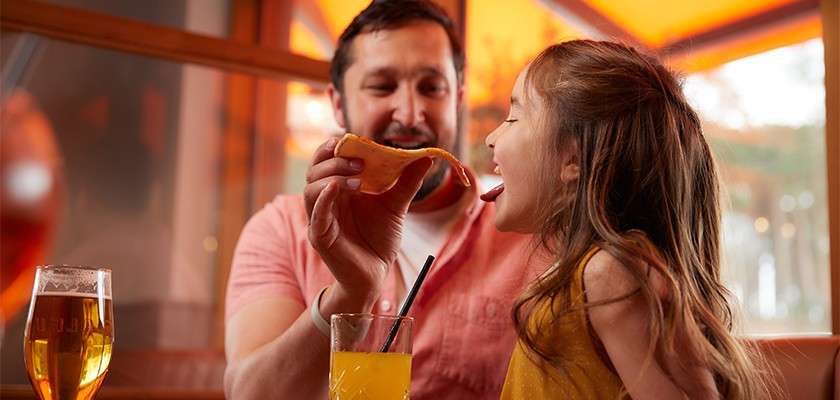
586	375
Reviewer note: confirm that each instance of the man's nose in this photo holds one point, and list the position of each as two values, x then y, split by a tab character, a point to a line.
409	108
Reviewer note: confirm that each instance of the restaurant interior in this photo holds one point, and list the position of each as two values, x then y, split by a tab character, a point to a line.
146	133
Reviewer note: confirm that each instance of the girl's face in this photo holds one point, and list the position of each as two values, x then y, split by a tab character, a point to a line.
516	145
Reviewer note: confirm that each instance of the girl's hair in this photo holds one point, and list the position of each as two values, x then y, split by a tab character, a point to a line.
647	193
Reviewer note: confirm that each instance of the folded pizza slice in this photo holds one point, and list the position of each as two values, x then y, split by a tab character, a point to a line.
384	165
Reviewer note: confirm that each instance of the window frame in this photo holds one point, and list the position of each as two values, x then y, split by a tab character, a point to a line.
830	10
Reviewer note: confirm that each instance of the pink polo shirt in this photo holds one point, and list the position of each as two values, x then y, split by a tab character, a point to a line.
463	334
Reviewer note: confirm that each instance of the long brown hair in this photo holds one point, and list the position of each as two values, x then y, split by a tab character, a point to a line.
647	193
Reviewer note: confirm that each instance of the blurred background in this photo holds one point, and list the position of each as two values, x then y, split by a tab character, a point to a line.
150	160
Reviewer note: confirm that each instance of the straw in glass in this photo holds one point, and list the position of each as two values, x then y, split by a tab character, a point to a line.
408	300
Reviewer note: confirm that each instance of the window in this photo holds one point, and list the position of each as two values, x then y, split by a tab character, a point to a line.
765	119
310	123
314	30
138	141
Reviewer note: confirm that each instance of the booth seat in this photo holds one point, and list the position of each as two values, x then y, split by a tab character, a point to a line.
807	366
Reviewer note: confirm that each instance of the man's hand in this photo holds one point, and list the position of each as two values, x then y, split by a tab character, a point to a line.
356	234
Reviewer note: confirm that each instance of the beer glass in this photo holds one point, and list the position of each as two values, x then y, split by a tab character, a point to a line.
359	369
69	332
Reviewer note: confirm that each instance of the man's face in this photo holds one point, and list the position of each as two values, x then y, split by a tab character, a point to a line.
401	90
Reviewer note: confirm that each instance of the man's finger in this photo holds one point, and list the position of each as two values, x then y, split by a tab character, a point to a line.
325	150
334	166
313	190
322	229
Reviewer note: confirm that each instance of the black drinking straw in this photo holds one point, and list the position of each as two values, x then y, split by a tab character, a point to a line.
408	300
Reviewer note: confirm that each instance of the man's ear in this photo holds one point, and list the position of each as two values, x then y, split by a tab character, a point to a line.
336	101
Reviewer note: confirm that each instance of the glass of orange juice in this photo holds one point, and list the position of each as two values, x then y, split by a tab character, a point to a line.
359	368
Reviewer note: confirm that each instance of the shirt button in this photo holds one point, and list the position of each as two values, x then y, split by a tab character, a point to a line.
385	305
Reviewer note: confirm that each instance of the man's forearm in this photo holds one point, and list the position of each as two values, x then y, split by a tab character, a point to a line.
295	364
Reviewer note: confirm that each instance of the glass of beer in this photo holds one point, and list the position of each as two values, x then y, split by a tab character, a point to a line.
69	332
359	368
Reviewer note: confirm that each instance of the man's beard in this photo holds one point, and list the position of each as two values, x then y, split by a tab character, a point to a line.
432	181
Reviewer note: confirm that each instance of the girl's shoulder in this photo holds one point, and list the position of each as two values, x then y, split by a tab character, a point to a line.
606	278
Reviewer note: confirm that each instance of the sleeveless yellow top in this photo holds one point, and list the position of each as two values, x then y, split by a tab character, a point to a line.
586	376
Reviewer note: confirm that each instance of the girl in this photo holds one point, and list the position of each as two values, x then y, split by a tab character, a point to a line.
602	157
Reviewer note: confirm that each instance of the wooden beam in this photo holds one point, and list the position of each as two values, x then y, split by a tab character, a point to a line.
751	25
271	119
831	45
255	173
123	34
592	22
237	154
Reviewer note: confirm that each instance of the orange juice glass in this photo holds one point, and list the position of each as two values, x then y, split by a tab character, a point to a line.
359	369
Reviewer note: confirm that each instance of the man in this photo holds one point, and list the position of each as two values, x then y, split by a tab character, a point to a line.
396	78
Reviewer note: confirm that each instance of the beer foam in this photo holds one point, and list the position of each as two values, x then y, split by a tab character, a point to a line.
73	294
81	281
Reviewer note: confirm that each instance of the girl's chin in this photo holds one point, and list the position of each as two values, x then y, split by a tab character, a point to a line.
511	223
502	223
502	227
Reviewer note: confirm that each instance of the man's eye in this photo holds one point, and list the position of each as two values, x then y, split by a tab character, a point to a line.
432	88
383	88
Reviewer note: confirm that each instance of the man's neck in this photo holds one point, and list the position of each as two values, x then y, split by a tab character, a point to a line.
446	194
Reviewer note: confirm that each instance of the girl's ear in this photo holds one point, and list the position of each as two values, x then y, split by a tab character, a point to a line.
570	173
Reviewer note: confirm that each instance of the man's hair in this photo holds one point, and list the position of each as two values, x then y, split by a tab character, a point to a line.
392	14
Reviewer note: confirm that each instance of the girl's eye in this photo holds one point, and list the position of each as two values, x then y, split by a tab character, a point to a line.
510	121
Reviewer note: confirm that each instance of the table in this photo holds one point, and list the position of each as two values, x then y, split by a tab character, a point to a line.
25	392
